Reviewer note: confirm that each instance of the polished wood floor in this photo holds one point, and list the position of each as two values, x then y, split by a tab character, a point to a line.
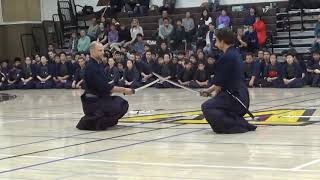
39	139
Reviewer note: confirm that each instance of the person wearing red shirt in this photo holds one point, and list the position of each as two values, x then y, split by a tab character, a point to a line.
261	30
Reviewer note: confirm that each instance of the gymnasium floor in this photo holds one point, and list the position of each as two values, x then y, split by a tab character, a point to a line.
39	139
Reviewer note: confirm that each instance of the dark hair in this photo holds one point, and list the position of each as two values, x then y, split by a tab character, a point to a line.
165	19
267	51
17	59
316	52
187	62
249	54
201	62
81	58
291	54
62	53
226	35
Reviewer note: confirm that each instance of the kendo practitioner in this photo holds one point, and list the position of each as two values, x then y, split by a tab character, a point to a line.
131	76
311	64
315	72
251	71
28	75
272	73
3	80
112	72
200	78
210	68
101	109
223	112
78	79
14	75
185	77
292	73
63	73
167	70
148	68
44	74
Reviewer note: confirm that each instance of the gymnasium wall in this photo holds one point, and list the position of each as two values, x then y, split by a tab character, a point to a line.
21	10
17	17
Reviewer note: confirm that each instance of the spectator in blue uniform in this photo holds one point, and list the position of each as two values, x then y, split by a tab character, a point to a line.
78	79
292	73
113	75
44	74
251	71
28	75
14	75
272	73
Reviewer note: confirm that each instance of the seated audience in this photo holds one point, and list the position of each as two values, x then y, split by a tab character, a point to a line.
189	27
28	75
272	73
292	73
178	36
44	75
203	26
112	71
223	20
165	31
83	42
78	80
131	76
168	5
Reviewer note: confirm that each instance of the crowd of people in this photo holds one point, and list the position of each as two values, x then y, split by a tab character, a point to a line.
129	61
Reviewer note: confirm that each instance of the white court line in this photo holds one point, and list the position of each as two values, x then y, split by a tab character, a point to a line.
306	165
7	122
172	164
300	116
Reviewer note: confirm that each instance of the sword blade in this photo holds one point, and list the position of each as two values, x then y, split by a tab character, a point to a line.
176	84
147	85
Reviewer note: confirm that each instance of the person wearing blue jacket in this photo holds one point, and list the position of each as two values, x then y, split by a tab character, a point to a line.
28	75
44	74
292	73
271	76
63	73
